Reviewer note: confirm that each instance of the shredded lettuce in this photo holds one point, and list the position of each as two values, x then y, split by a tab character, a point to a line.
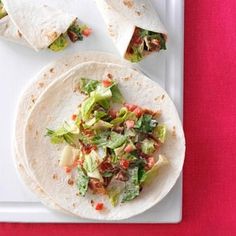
116	140
148	146
101	93
146	124
101	125
114	195
116	94
87	85
59	44
82	182
122	116
90	162
160	132
132	188
86	108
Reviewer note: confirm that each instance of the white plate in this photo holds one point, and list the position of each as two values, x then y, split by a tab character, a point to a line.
19	64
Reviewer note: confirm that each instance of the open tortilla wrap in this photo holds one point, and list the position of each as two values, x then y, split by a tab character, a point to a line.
29	23
122	17
58	102
27	102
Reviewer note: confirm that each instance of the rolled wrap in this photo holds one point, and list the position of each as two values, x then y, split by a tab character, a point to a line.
121	18
37	26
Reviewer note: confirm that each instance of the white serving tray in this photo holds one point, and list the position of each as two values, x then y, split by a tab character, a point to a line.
18	65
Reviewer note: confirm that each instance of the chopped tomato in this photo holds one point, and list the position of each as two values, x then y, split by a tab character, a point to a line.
67	169
130	107
129	124
137	40
107	82
124	163
86	32
138	111
99	206
74	117
150	162
128	148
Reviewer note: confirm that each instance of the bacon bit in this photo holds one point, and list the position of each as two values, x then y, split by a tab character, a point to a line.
112	113
122	176
124	163
96	186
128	148
118	129
86	32
67	169
73	36
129	124
138	111
74	117
107	82
105	166
99	206
130	107
88	148
88	132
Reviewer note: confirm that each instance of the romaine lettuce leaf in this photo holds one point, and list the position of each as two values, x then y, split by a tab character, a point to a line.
87	85
116	94
116	140
59	44
148	146
146	124
86	108
160	132
114	195
82	182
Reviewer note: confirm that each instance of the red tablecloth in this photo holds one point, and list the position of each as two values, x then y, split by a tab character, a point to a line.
209	206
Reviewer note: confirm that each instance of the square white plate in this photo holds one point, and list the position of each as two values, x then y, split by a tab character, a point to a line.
19	64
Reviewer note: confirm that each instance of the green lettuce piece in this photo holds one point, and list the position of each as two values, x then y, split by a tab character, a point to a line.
99	114
87	85
87	107
101	93
59	44
146	124
105	103
114	195
116	94
76	29
116	140
90	162
132	188
142	175
101	139
67	133
122	115
101	125
82	182
148	146
160	132
120	150
3	12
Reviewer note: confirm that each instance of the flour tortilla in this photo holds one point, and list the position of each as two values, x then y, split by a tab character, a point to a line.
58	102
27	102
32	24
121	18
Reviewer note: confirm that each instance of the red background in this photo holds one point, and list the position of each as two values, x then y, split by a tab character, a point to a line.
209	206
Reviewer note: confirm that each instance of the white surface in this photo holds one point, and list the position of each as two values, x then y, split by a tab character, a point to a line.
19	64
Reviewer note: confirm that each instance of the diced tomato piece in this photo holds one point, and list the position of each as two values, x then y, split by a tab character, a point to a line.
124	163
67	169
112	113
150	162
137	40
86	32
138	111
130	107
107	82
105	165
129	124
74	117
128	148
99	206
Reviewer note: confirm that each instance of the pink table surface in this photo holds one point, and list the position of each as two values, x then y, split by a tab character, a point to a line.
209	203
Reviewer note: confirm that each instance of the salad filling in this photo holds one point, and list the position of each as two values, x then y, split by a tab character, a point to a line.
113	147
3	12
143	43
75	32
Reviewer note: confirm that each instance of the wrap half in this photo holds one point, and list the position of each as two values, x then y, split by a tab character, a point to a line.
134	27
37	26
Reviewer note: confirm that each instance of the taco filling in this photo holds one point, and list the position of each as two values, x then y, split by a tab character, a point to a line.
75	32
112	147
3	12
143	43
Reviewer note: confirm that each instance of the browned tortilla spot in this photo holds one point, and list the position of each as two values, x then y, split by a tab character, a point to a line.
138	13
109	76
128	3
163	96
52	36
174	131
40	85
70	181
126	78
19	33
55	176
52	70
73	205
